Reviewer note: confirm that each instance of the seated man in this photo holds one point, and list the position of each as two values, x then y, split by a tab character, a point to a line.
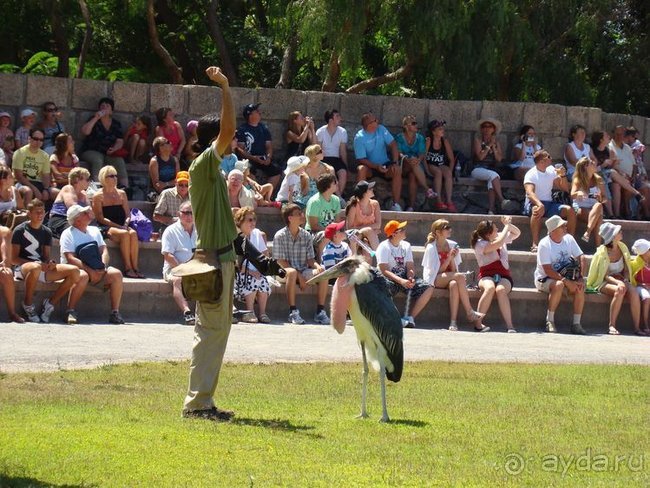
539	183
254	143
323	209
294	250
561	266
370	149
91	260
170	200
31	244
31	166
7	275
178	245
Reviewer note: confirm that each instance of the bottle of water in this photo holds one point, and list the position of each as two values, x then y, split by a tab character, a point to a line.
576	207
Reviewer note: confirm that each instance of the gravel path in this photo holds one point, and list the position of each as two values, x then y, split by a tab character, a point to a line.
51	347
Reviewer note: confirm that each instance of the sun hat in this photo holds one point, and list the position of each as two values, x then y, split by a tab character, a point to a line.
608	231
498	126
554	222
391	227
641	246
75	211
182	176
333	228
243	165
250	108
27	112
202	261
295	163
362	187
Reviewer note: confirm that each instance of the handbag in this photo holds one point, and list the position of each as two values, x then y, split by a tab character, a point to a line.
13	218
88	253
142	225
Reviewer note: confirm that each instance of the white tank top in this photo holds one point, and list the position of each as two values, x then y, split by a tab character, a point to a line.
586	149
9	204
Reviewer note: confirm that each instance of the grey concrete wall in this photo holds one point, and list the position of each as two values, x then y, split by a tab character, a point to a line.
77	100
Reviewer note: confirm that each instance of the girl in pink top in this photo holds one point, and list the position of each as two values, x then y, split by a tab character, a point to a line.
170	130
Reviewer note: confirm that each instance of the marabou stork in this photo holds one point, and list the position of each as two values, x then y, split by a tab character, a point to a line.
362	291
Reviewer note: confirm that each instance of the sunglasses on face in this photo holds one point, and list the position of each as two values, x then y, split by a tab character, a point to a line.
320	151
37	139
51	109
413	123
182	185
186	212
251	219
111	176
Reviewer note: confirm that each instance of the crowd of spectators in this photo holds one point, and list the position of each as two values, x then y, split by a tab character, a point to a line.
42	173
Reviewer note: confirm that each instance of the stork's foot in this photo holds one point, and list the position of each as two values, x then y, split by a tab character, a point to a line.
362	415
384	419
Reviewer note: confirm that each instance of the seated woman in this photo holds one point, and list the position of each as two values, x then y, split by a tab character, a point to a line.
576	148
171	130
137	138
440	164
300	134
163	166
10	197
588	195
363	213
72	193
523	152
488	156
111	209
315	168
610	273
63	159
104	142
490	248
411	147
250	285
440	269
7	275
262	192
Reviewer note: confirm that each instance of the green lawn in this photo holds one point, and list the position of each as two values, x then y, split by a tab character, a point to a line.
453	424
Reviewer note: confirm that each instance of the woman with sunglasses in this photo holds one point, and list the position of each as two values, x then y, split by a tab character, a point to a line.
163	165
491	250
72	193
111	209
50	125
589	196
440	270
315	168
250	285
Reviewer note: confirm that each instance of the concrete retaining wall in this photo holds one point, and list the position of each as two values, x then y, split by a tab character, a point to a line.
77	99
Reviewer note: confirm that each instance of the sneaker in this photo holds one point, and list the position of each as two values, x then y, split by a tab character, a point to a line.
295	318
322	318
189	318
71	317
577	329
115	318
550	326
453	328
215	414
396	207
30	311
48	308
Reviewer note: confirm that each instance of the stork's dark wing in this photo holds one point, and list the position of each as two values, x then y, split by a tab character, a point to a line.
376	304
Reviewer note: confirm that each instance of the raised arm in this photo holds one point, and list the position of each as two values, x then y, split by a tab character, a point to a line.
227	129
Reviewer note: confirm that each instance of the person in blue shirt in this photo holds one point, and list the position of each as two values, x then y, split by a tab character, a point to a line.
372	146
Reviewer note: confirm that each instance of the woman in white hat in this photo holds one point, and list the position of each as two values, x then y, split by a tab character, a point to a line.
610	273
641	273
295	184
488	155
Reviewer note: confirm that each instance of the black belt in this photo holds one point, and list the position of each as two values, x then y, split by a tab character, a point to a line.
223	250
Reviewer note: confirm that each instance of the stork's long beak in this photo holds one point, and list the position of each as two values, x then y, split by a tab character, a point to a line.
333	272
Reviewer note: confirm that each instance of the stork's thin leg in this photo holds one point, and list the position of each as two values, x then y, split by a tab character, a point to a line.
364	383
382	380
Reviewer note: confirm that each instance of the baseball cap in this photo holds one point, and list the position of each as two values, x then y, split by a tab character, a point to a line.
333	228
361	187
392	226
5	114
250	108
27	112
75	211
554	222
182	176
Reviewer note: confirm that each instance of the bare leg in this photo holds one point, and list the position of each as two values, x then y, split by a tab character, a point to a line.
78	290
555	295
449	183
342	176
491	200
617	292
635	306
489	289
114	280
496	186
177	293
421	302
292	276
503	289
453	300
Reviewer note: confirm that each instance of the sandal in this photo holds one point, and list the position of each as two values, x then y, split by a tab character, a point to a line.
585	236
640	333
453	328
129	273
249	317
484	328
614	331
474	316
512	331
533	248
264	319
138	274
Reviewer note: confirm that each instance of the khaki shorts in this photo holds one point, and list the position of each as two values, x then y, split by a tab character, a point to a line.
544	286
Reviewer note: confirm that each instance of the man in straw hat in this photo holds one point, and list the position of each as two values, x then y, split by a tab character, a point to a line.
558	252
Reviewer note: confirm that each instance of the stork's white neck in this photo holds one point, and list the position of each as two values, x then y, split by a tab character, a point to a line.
361	275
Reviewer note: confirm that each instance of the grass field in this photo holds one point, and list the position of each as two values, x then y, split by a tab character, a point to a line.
453	424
